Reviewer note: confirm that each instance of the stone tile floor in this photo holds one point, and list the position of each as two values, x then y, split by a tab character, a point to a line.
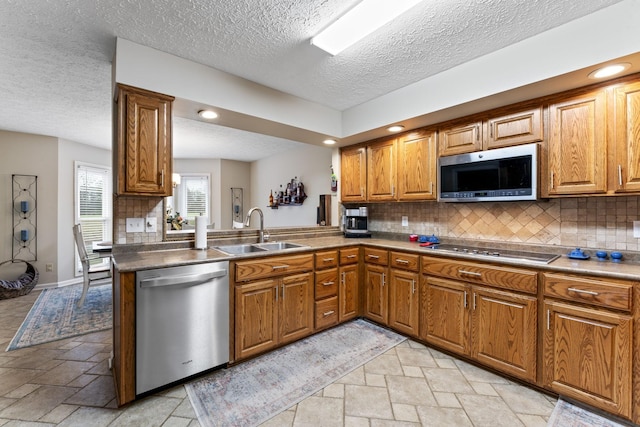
68	383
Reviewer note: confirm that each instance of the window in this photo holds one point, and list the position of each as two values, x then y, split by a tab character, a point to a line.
93	206
193	196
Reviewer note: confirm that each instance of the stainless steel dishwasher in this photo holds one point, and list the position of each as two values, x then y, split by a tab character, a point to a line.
182	322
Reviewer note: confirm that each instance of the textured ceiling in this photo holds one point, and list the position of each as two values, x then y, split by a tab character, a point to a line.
55	56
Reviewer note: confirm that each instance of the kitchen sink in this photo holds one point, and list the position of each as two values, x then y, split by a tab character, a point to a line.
248	248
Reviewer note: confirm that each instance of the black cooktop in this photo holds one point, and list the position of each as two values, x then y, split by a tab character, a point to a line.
494	253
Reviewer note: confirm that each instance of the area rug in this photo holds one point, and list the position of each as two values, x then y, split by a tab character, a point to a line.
255	391
566	414
54	315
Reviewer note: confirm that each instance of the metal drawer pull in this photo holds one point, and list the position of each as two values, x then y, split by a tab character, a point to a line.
351	256
328	313
343	276
470	273
327	283
620	175
373	256
279	267
465	299
402	261
327	259
413	286
582	291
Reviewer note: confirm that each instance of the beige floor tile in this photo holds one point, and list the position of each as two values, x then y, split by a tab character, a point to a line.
334	390
415	357
283	419
150	411
443	417
369	402
58	414
184	409
90	417
176	422
37	404
83	351
533	420
488	411
411	391
356	421
447	400
376	380
483	388
43	360
387	364
402	412
392	423
523	400
412	371
320	412
97	393
355	377
178	392
449	380
64	373
82	381
446	363
473	373
22	391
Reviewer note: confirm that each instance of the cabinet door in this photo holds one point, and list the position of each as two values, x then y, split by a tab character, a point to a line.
381	171
403	301
256	327
587	356
515	129
460	139
376	293
348	293
504	331
143	150
417	161
353	171
627	137
578	145
444	317
296	308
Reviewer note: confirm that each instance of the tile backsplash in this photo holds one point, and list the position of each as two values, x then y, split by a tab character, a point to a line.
586	222
137	207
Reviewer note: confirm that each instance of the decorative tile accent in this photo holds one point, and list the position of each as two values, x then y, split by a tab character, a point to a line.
137	207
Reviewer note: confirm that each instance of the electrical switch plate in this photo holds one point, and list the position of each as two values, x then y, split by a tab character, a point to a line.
151	224
49	266
405	221
636	229
135	225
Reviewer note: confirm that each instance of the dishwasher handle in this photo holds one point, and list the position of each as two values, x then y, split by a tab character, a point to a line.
183	280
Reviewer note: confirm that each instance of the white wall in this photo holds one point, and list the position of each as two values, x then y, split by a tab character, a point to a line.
233	174
311	164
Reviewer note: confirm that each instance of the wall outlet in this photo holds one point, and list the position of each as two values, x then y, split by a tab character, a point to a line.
151	224
636	229
405	221
48	267
135	225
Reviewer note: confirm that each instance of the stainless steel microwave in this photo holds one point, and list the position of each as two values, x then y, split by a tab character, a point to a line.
501	174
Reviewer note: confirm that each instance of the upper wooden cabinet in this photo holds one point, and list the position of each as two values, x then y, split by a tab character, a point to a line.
142	153
578	145
381	171
499	130
417	162
627	138
353	168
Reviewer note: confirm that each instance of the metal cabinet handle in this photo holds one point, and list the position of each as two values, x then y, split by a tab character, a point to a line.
279	267
477	133
548	319
162	178
470	273
620	175
474	301
383	274
343	277
283	291
351	256
465	299
552	180
327	259
327	283
328	313
583	291
373	256
401	261
413	286
277	293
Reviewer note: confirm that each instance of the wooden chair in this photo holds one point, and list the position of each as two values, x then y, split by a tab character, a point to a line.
90	273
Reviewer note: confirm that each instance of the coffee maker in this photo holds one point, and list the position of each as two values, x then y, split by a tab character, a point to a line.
355	222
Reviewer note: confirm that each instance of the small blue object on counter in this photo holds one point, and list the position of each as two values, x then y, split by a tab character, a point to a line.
602	255
577	253
616	256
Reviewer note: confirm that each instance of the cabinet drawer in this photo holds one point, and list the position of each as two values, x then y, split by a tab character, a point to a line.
349	256
498	276
605	293
376	256
326	259
270	267
326	283
404	261
326	312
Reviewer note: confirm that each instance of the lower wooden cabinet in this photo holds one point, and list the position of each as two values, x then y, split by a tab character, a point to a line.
587	356
376	305
348	293
272	312
404	300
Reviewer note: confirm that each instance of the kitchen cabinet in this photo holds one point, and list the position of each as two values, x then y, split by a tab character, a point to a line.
142	151
588	340
417	166
577	145
326	289
503	128
274	302
349	294
404	298
376	304
381	171
462	312
353	170
627	138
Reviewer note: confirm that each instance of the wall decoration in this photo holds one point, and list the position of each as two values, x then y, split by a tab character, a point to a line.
25	218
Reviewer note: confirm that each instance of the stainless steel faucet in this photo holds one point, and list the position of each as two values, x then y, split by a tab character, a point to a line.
248	221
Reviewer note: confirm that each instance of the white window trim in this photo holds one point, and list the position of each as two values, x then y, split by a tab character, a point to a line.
181	202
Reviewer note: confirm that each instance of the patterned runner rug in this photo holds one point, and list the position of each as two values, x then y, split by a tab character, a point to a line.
54	315
567	415
254	391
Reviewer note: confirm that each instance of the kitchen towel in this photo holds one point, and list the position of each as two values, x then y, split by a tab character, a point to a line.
201	232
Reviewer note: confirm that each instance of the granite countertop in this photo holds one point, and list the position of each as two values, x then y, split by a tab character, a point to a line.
145	260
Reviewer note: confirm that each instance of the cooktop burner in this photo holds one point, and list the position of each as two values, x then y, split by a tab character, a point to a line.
495	253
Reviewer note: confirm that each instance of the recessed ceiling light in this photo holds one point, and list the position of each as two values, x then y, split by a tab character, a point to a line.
329	141
208	114
609	70
395	128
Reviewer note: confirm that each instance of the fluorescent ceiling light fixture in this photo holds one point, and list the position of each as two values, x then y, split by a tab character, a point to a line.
395	128
329	141
609	70
366	17
207	114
